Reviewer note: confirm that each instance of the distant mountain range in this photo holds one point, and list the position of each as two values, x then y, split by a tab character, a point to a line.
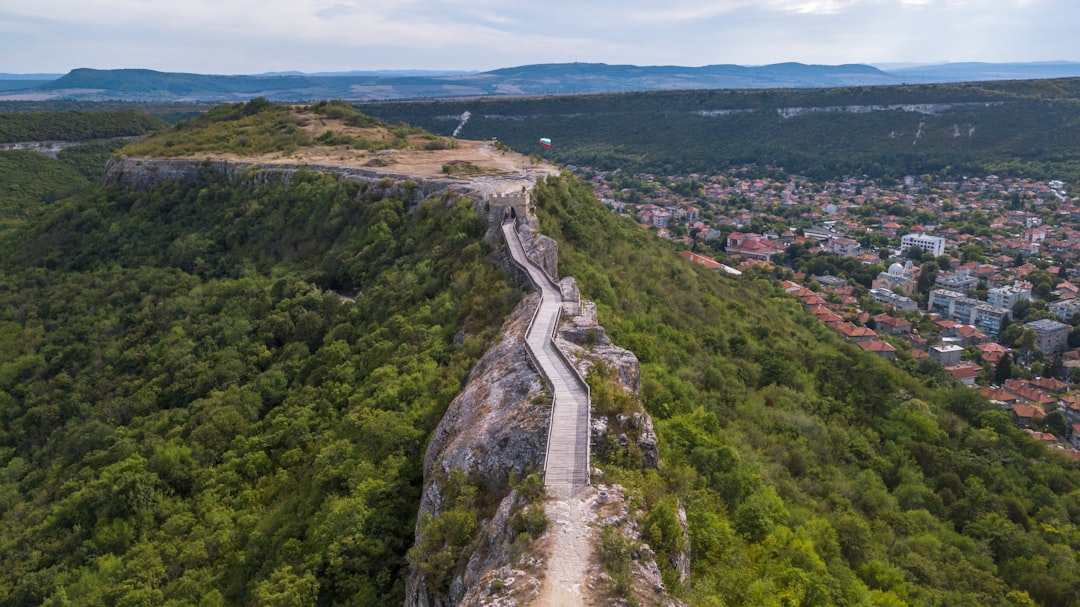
529	80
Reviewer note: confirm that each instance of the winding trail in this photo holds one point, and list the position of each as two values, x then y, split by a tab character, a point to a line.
566	465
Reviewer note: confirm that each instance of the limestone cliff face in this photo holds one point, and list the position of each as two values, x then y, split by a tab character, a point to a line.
496	426
541	249
148	172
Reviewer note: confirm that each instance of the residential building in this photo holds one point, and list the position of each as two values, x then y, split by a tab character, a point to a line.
1007	296
887	298
892	325
1050	335
946	355
961	282
935	245
882	348
1022	415
959	307
752	246
856	333
1065	309
844	247
965	373
710	263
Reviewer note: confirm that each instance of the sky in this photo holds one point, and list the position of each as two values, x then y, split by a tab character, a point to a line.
255	36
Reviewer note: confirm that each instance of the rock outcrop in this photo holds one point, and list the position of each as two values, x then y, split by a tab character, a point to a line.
494	429
541	249
148	172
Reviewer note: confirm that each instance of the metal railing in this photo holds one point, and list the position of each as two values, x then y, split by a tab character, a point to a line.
555	329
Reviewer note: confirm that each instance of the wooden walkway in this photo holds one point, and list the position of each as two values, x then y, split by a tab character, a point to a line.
566	465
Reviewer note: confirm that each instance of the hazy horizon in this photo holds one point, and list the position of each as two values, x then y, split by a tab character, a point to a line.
249	37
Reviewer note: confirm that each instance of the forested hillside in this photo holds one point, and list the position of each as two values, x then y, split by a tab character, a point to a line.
188	415
29	181
75	125
1006	127
813	473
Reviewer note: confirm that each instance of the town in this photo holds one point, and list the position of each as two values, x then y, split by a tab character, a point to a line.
970	279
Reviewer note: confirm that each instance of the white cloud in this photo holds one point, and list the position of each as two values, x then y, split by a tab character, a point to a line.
263	35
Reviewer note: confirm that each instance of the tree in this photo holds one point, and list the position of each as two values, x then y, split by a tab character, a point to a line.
1056	368
1003	369
927	276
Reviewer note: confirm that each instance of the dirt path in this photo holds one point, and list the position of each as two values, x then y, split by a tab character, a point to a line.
571	566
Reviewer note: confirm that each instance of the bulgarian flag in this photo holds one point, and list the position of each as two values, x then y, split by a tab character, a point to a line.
544	141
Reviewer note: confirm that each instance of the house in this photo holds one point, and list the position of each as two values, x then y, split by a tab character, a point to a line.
1000	396
1070	406
965	373
1043	437
1023	415
892	325
1049	384
1028	393
947	327
710	263
970	336
856	333
844	247
882	348
946	355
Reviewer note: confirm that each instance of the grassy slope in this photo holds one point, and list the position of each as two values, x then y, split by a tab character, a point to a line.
814	473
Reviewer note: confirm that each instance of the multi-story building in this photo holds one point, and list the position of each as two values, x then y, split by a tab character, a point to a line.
962	282
1065	309
947	355
887	298
844	247
935	245
967	310
752	246
1006	296
1050	335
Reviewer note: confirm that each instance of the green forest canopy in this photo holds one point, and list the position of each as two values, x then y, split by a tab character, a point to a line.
188	416
1011	128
